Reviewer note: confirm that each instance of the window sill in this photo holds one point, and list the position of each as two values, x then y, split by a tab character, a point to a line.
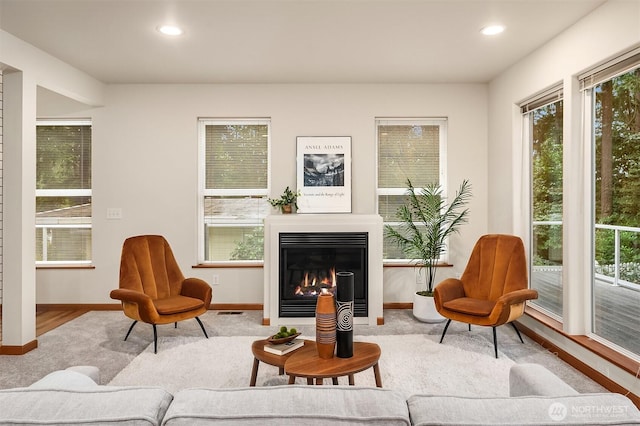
230	264
66	266
260	264
409	264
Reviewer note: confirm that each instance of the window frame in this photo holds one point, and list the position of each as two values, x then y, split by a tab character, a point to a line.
588	81
65	193
547	97
204	192
442	123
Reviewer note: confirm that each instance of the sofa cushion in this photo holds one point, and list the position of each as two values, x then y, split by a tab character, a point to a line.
288	405
88	370
534	379
99	405
64	379
581	409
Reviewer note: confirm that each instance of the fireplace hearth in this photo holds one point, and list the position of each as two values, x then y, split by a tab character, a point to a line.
309	262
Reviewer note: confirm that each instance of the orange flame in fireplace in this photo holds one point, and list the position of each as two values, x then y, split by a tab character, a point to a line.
333	282
311	283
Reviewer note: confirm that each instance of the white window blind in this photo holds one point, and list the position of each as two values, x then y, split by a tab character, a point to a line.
610	69
236	155
547	97
63	191
234	188
408	148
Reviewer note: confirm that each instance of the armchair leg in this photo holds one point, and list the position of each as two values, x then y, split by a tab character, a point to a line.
176	325
155	339
202	327
130	328
495	342
517	332
155	333
445	329
469	327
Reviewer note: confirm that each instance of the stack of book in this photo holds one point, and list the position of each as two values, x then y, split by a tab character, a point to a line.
284	348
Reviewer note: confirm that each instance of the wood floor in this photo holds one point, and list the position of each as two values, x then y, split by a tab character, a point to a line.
48	319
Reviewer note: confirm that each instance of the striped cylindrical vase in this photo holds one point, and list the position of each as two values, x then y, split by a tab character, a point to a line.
344	302
325	325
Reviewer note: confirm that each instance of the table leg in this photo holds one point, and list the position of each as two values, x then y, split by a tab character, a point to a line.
376	373
351	380
292	379
254	372
281	371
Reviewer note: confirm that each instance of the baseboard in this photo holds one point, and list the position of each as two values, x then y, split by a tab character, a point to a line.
214	306
18	350
118	306
397	305
78	306
236	306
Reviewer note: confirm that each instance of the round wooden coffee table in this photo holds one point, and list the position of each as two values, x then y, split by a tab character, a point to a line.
305	362
259	354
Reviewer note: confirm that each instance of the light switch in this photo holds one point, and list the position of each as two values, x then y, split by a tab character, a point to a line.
114	213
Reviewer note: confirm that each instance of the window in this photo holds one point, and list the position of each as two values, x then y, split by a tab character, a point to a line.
63	192
612	98
407	149
543	132
233	188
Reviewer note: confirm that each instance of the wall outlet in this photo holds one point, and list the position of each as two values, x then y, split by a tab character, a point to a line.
215	279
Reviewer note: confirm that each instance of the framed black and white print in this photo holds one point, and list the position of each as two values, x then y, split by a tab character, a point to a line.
324	174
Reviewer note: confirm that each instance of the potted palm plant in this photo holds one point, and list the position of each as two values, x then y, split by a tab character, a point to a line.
286	202
426	222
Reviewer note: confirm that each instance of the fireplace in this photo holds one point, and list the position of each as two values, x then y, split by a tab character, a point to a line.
309	262
363	229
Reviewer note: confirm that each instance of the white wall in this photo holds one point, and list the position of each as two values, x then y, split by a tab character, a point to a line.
145	162
48	71
608	31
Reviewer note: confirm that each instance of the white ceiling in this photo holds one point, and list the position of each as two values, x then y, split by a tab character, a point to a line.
290	41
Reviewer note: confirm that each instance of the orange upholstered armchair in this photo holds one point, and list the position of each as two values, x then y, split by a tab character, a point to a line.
153	289
493	288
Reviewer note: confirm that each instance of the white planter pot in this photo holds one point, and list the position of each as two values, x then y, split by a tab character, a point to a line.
424	309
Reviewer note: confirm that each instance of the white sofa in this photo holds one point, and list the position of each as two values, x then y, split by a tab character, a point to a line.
538	397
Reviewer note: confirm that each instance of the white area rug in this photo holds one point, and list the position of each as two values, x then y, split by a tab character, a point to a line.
409	363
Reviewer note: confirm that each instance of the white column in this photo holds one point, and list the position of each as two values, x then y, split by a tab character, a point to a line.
19	143
576	221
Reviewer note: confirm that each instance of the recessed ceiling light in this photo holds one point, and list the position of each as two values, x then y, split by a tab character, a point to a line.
492	30
170	30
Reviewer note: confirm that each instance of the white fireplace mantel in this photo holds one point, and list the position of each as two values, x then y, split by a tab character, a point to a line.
275	224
